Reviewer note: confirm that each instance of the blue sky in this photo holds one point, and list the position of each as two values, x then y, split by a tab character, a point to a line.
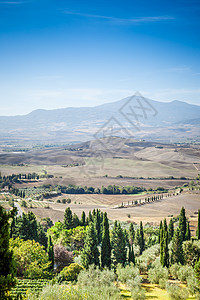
57	54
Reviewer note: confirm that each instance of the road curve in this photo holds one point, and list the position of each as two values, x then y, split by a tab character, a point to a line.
19	210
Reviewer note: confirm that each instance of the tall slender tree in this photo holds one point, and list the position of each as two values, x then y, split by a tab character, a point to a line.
75	221
32	226
106	246
160	228
198	226
161	245
68	224
97	224
164	251
177	250
165	225
90	253
170	230
118	245
131	233
50	252
182	224
142	243
131	255
7	268
83	219
137	237
187	234
90	218
42	238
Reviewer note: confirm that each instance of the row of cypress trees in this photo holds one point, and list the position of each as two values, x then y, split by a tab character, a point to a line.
104	250
178	236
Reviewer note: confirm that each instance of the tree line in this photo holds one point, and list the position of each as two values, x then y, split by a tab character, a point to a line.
96	240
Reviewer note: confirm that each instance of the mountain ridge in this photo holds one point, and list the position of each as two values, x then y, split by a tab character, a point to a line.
81	123
96	106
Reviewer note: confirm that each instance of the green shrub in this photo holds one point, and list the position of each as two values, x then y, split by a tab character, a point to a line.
197	269
157	272
138	293
70	273
23	204
94	277
98	284
193	286
129	275
60	292
174	270
148	257
191	250
185	272
176	292
162	283
30	258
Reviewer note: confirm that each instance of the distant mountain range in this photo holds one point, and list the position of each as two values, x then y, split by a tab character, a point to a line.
135	116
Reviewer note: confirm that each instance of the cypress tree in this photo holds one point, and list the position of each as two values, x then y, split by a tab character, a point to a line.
118	245
42	238
165	225
160	228
182	224
90	253
177	250
188	234
198	226
131	255
164	251
68	219
161	245
131	233
90	219
7	268
170	230
93	214
97	224
137	237
126	236
101	216
106	246
31	226
50	253
83	219
142	243
75	221
12	227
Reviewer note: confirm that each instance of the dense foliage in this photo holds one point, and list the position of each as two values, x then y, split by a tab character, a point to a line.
99	256
7	268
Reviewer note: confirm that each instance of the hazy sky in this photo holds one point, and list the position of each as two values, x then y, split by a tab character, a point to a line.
61	53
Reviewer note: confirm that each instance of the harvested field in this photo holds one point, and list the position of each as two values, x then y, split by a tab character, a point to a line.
151	212
88	163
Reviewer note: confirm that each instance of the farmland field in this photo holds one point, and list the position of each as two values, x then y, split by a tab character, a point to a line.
150	212
123	162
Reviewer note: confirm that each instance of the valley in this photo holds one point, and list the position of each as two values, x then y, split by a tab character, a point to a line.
107	162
